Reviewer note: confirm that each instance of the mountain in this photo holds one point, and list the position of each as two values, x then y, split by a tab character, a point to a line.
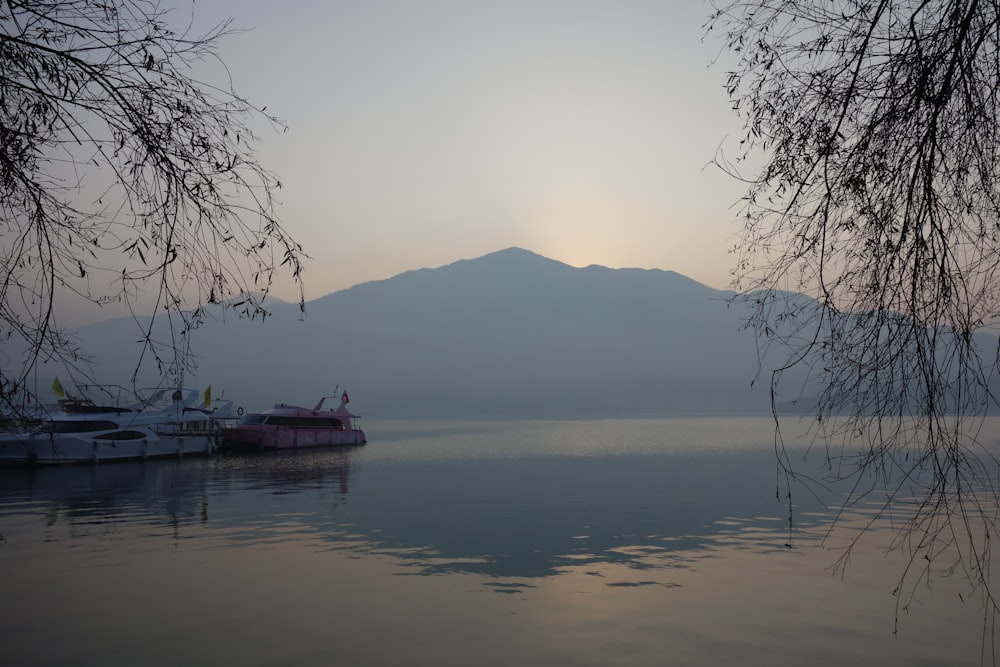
511	335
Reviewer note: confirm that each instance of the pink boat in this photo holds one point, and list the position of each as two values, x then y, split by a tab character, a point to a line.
291	427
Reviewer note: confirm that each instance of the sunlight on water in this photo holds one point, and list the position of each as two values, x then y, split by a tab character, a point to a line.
563	543
424	440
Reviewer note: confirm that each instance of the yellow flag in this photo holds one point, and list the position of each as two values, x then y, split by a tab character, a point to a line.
208	397
57	388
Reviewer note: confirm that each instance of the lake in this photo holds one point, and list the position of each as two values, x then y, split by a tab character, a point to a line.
619	542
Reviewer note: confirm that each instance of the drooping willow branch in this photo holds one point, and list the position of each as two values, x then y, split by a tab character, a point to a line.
870	244
125	178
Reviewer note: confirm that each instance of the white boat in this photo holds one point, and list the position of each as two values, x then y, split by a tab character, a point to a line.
159	423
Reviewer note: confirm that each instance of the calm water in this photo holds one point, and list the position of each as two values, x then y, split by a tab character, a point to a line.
547	543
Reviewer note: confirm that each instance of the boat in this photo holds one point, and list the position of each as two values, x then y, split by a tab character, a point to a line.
292	427
158	423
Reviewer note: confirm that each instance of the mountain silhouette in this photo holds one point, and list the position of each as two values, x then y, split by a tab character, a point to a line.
510	335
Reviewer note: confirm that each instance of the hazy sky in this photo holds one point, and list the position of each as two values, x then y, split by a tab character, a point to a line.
426	131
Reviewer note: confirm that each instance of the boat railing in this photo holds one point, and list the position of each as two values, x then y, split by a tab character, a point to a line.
111	394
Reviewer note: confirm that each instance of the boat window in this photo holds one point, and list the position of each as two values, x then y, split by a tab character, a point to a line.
88	426
122	435
306	422
253	420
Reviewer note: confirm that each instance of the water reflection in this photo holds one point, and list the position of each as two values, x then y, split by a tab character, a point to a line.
110	498
285	472
621	551
88	499
524	518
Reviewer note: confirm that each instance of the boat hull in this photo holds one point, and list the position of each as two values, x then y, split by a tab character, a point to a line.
42	449
239	437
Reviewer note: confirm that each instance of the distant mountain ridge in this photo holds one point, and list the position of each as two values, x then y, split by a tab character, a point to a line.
510	335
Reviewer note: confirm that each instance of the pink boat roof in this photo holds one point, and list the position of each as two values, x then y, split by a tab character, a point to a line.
318	411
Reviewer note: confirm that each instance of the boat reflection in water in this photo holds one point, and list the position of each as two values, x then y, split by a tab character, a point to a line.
178	492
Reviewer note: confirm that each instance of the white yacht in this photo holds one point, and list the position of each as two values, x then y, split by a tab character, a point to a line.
159	423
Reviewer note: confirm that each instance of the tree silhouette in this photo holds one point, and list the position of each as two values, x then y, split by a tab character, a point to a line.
124	178
873	129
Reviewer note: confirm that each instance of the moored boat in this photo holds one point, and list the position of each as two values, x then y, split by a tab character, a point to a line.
292	427
160	423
